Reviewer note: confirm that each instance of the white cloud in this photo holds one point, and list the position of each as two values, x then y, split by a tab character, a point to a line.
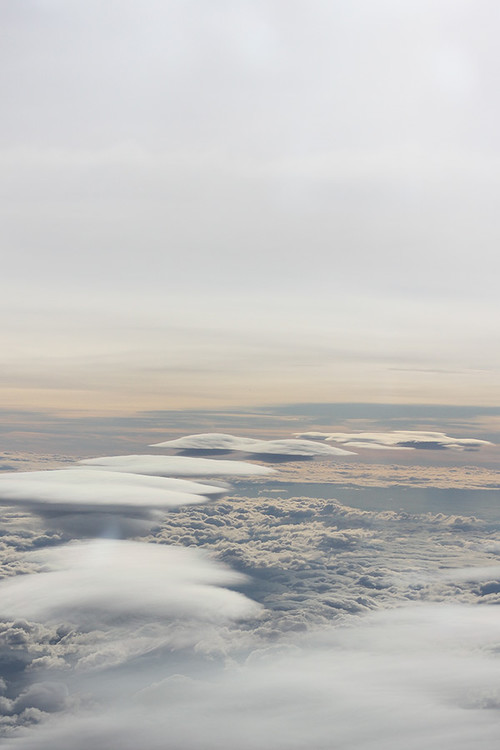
398	439
177	466
221	441
418	677
85	489
97	502
99	582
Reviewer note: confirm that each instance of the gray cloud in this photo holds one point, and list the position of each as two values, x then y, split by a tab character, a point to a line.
313	560
413	677
224	442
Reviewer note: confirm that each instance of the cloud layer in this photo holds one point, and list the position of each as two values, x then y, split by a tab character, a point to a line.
177	466
419	677
333	625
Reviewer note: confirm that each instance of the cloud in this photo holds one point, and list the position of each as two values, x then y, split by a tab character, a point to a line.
314	561
223	442
177	466
99	582
310	562
45	696
92	502
73	489
418	677
390	474
398	439
182	655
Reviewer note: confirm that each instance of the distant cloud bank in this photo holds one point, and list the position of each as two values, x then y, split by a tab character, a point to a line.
397	440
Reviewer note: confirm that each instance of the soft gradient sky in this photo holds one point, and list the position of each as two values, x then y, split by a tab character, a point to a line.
220	203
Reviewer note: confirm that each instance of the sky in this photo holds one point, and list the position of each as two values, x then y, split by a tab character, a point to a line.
242	203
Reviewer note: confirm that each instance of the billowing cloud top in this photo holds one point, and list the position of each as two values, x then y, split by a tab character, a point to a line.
74	489
398	439
222	441
101	580
180	466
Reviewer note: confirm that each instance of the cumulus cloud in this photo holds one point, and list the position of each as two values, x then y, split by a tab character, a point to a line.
177	466
48	697
312	561
223	442
397	440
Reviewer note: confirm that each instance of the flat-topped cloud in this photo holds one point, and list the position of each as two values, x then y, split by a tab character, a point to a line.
96	502
225	442
87	490
397	440
176	466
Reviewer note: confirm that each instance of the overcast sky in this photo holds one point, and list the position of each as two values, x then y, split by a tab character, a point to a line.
233	202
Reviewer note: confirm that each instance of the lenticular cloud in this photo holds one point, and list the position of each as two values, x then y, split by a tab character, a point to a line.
223	442
102	581
177	466
422	677
84	489
118	496
398	439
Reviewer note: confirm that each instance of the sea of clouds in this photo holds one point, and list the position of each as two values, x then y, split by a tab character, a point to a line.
143	609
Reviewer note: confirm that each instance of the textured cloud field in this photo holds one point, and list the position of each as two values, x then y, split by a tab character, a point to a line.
265	621
419	678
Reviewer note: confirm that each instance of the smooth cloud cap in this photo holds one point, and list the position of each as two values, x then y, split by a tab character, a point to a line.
225	442
178	466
